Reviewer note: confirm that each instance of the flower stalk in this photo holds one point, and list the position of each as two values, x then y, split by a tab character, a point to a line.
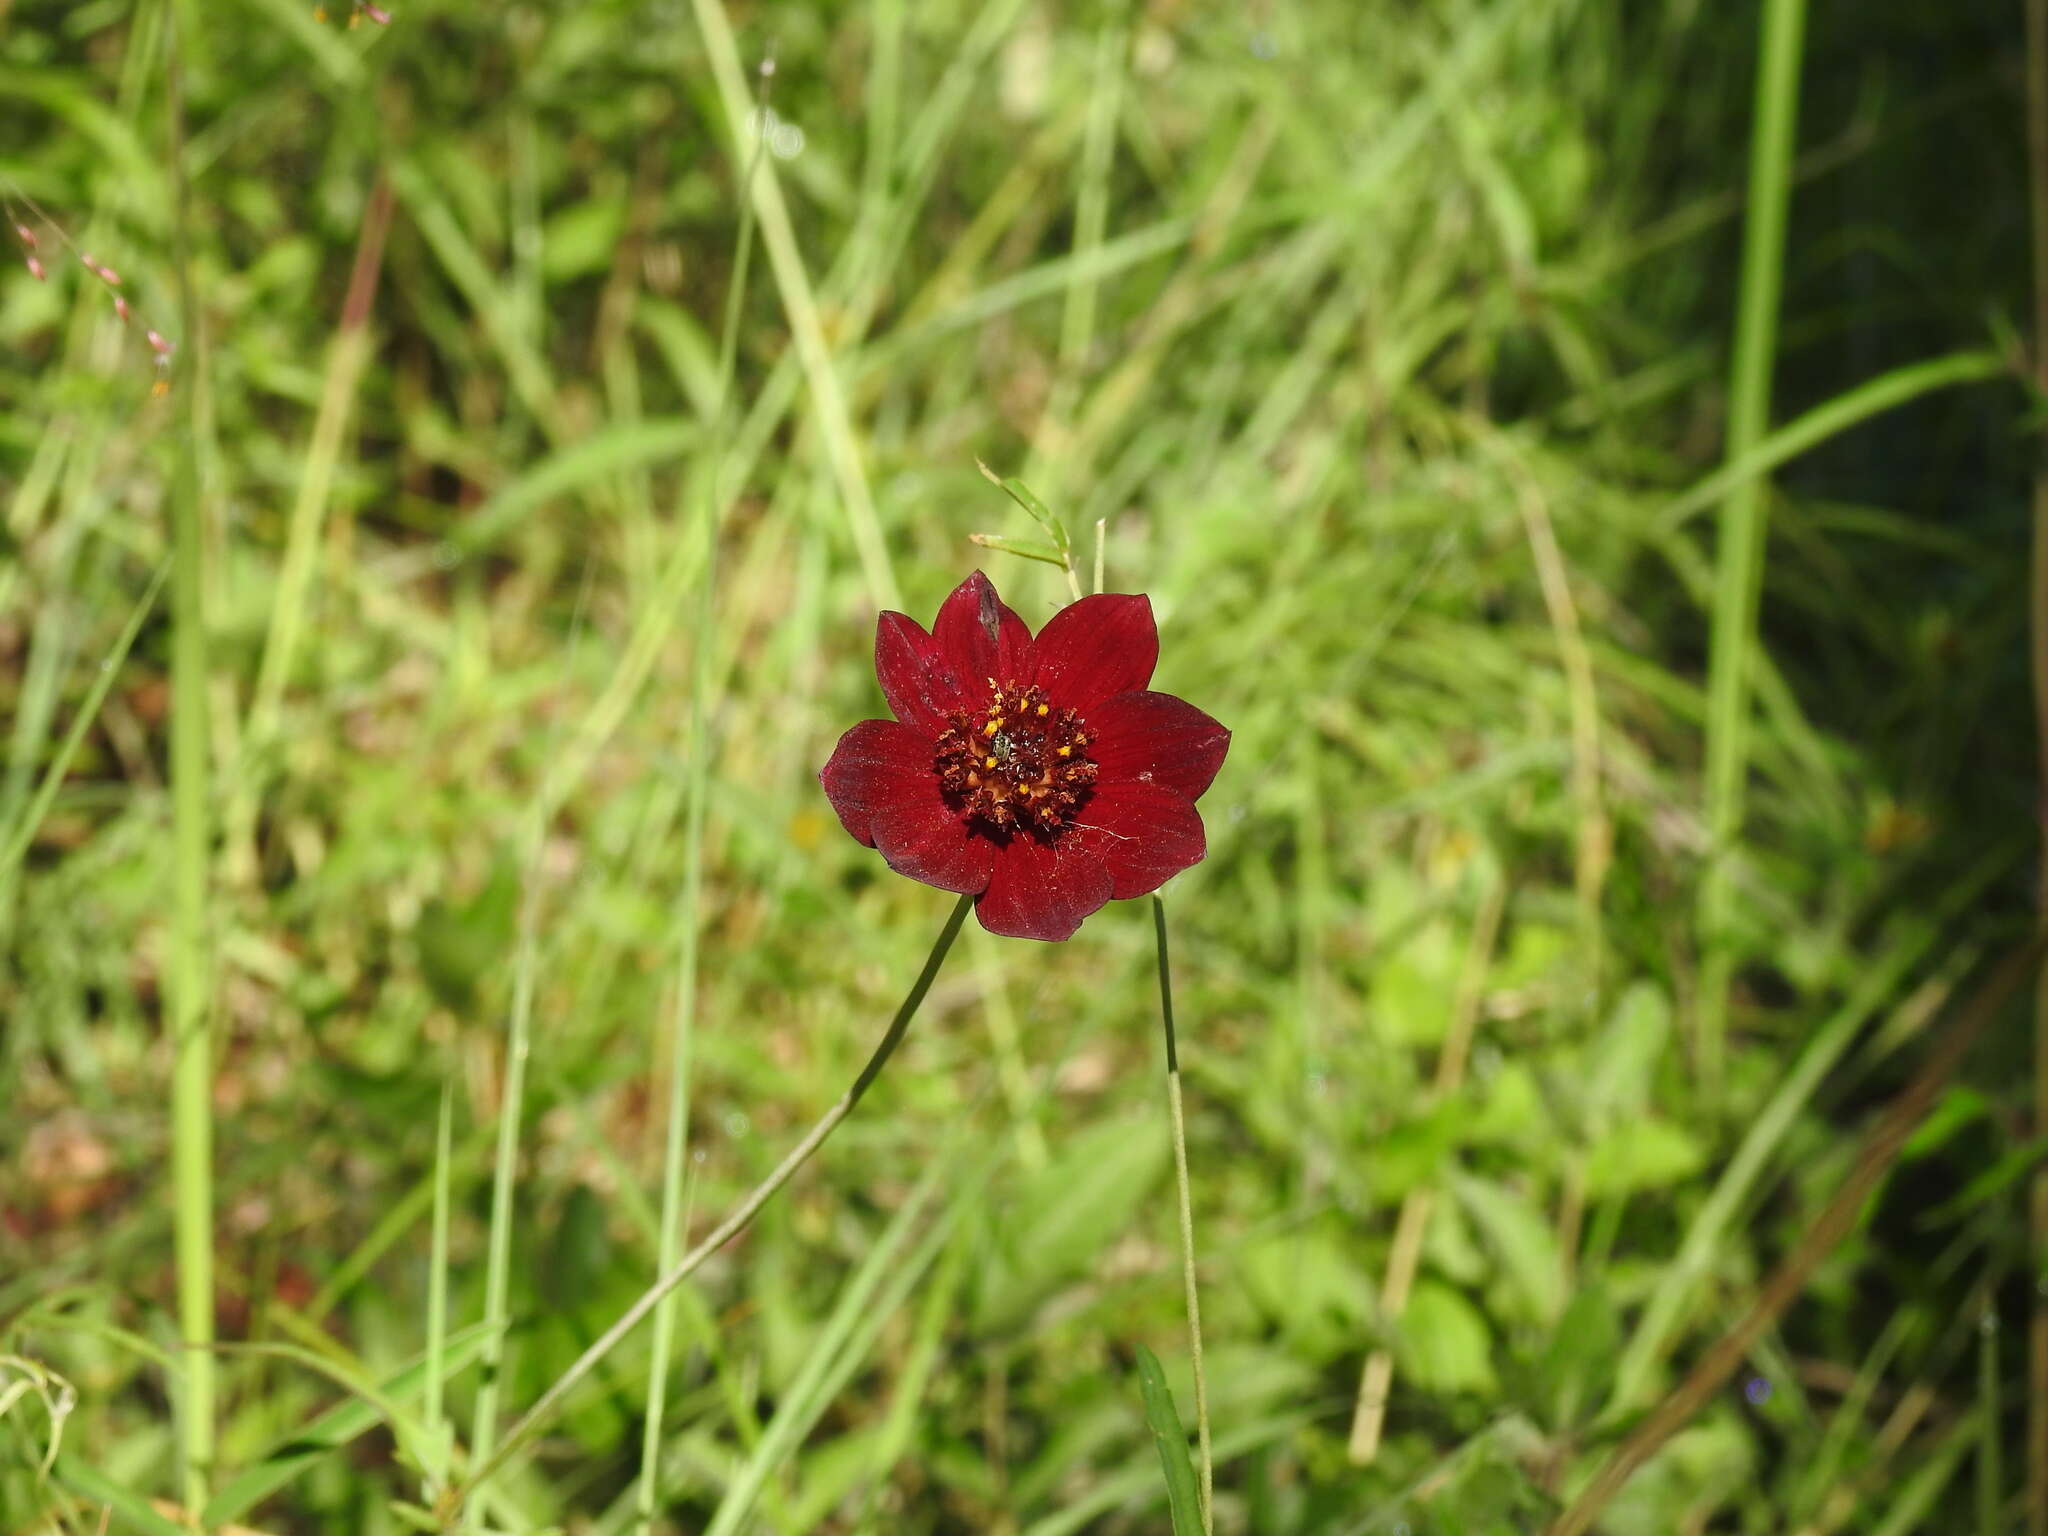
1187	1220
545	1406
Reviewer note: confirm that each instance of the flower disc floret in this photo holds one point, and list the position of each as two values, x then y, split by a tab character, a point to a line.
1017	761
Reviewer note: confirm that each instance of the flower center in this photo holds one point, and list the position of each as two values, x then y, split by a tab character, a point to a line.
1021	761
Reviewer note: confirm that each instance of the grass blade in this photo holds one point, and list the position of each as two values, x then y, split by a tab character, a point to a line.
335	1428
1739	576
191	989
21	836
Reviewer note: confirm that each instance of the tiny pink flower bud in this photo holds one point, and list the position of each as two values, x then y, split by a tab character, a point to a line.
377	13
35	270
26	235
108	276
121	308
162	347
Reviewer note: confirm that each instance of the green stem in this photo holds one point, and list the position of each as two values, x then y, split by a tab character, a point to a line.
1187	1220
545	1406
505	1166
190	971
437	1290
696	796
1741	548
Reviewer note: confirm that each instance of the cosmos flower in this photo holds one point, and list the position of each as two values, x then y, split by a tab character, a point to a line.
1039	776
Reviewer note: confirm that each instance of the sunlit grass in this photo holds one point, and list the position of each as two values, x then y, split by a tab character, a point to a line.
1389	349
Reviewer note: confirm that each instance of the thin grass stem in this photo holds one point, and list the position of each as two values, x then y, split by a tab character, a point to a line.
439	1434
512	1097
1739	574
696	795
785	259
1880	1150
736	1221
1187	1220
191	978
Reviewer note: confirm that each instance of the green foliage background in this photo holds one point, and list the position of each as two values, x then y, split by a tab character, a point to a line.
1388	342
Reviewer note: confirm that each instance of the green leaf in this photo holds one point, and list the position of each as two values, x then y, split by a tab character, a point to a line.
1619	1075
331	1430
1579	1356
1445	1345
1309	1283
1041	514
1171	1440
1830	417
1069	1212
1959	1107
1642	1154
1522	1239
88	1482
1019	547
1989	1184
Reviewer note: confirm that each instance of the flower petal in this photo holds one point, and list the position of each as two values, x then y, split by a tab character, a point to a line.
1101	645
1041	888
881	782
1143	834
981	637
1155	738
920	684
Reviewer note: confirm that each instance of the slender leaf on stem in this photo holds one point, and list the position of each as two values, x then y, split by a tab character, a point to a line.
1171	1441
335	1428
1019	547
1040	513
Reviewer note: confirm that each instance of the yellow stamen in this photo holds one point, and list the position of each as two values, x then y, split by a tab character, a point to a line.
990	763
1066	751
993	726
1045	709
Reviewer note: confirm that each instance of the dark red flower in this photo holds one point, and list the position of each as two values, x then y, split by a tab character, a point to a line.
1039	775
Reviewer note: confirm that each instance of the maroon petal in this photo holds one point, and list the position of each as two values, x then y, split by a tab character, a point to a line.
1099	646
1155	738
881	782
981	637
1143	834
920	684
1041	889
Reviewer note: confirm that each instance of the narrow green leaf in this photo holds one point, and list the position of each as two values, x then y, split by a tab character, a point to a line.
1017	547
1829	418
1172	1441
19	837
611	451
332	1429
88	1482
1040	513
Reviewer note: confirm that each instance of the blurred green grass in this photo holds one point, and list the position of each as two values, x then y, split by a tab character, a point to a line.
1346	320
